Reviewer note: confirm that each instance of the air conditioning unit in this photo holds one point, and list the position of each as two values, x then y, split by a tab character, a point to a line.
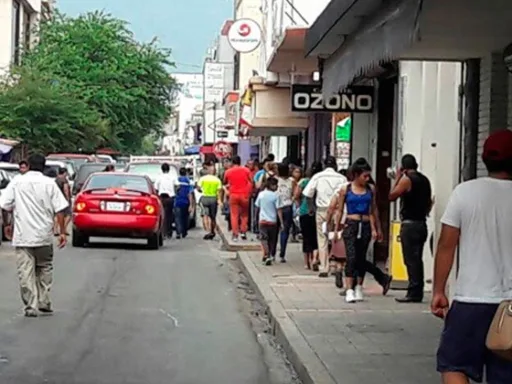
272	78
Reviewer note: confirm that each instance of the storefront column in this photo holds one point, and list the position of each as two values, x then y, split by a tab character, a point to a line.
494	90
244	150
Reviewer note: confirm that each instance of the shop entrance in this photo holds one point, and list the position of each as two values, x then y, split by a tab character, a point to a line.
386	109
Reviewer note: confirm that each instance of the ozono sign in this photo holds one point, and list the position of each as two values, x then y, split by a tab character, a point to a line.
307	98
222	149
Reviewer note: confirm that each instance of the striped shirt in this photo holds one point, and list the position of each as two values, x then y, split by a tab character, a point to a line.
324	185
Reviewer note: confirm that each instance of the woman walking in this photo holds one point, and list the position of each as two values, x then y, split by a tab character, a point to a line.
285	187
297	177
307	220
358	197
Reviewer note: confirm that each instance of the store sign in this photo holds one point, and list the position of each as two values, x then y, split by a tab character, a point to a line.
244	35
213	75
309	98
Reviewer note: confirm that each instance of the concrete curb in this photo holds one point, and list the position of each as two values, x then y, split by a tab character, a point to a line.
306	362
234	247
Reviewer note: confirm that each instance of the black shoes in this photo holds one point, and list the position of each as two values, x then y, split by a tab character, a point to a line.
407	300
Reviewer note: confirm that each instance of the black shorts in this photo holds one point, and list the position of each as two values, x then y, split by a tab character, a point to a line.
462	348
210	206
308	230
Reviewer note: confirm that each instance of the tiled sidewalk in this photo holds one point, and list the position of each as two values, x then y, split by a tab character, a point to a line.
329	341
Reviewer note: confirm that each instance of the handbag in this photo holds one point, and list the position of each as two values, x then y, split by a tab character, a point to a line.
499	336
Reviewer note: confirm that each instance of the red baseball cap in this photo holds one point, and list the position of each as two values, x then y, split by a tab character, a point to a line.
498	146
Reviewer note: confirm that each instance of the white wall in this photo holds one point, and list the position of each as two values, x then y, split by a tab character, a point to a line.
249	9
32	7
431	130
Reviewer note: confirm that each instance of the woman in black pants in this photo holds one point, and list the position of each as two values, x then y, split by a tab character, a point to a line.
307	220
358	197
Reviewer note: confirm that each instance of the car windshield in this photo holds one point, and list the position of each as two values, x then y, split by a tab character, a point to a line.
152	170
129	182
87	169
11	171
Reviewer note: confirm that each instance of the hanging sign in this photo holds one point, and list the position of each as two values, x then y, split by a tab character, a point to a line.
244	35
356	99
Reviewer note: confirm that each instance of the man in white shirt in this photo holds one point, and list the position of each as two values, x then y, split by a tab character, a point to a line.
324	185
35	199
166	186
477	220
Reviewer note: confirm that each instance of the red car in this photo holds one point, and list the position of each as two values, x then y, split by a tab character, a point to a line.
115	204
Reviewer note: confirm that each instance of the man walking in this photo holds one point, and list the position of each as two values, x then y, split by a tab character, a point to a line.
183	204
166	188
63	184
324	185
415	192
477	221
211	188
239	182
35	200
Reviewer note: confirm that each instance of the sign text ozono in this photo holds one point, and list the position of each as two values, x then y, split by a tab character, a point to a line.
308	98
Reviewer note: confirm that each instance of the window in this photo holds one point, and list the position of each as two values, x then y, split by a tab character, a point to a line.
15	32
27	30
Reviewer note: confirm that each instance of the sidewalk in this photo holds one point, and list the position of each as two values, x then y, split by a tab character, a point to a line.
251	244
329	341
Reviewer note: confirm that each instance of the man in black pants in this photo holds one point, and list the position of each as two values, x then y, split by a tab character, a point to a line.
415	192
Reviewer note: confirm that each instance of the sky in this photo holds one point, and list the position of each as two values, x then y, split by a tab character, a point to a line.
188	27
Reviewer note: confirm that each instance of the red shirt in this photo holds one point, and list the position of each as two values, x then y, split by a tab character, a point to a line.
239	180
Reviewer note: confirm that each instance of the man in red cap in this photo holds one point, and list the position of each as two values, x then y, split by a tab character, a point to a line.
477	220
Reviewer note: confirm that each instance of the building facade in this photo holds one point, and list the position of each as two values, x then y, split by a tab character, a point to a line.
18	22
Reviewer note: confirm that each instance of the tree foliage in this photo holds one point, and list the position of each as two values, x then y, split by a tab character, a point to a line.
117	88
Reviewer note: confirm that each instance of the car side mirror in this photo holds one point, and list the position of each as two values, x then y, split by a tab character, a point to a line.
4	183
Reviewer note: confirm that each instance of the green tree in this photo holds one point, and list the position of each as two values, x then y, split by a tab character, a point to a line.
99	62
41	112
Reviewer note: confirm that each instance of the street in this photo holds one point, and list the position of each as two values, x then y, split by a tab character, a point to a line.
124	314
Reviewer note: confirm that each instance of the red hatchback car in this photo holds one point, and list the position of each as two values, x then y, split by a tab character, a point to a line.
113	204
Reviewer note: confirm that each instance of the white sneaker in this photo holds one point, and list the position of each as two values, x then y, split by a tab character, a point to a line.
359	293
350	296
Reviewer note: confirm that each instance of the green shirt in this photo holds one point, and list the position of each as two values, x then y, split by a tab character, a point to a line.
304	206
210	185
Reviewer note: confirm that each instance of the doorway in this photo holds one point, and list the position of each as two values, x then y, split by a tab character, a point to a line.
384	158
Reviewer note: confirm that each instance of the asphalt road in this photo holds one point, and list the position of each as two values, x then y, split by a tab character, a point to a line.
129	315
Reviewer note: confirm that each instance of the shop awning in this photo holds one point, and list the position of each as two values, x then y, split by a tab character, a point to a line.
289	54
192	150
270	111
206	149
440	30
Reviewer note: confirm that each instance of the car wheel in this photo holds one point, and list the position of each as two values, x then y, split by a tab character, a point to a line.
79	239
154	241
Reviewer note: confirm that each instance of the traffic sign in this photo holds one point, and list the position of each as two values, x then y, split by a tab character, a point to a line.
222	149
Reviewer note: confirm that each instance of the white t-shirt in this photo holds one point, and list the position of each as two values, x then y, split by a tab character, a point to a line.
34	199
325	185
166	183
482	209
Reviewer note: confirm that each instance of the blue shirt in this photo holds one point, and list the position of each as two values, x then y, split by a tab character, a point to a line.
358	204
267	201
258	175
183	191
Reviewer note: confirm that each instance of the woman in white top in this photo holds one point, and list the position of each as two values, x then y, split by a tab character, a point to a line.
285	187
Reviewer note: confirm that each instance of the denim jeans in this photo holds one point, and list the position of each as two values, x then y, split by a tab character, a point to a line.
285	231
181	220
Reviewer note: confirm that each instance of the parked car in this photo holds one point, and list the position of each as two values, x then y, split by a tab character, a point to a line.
83	173
115	204
11	169
5	217
77	158
152	169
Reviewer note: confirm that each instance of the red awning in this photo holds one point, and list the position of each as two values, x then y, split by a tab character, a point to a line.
205	149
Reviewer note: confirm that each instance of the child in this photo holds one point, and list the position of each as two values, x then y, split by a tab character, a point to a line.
267	204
